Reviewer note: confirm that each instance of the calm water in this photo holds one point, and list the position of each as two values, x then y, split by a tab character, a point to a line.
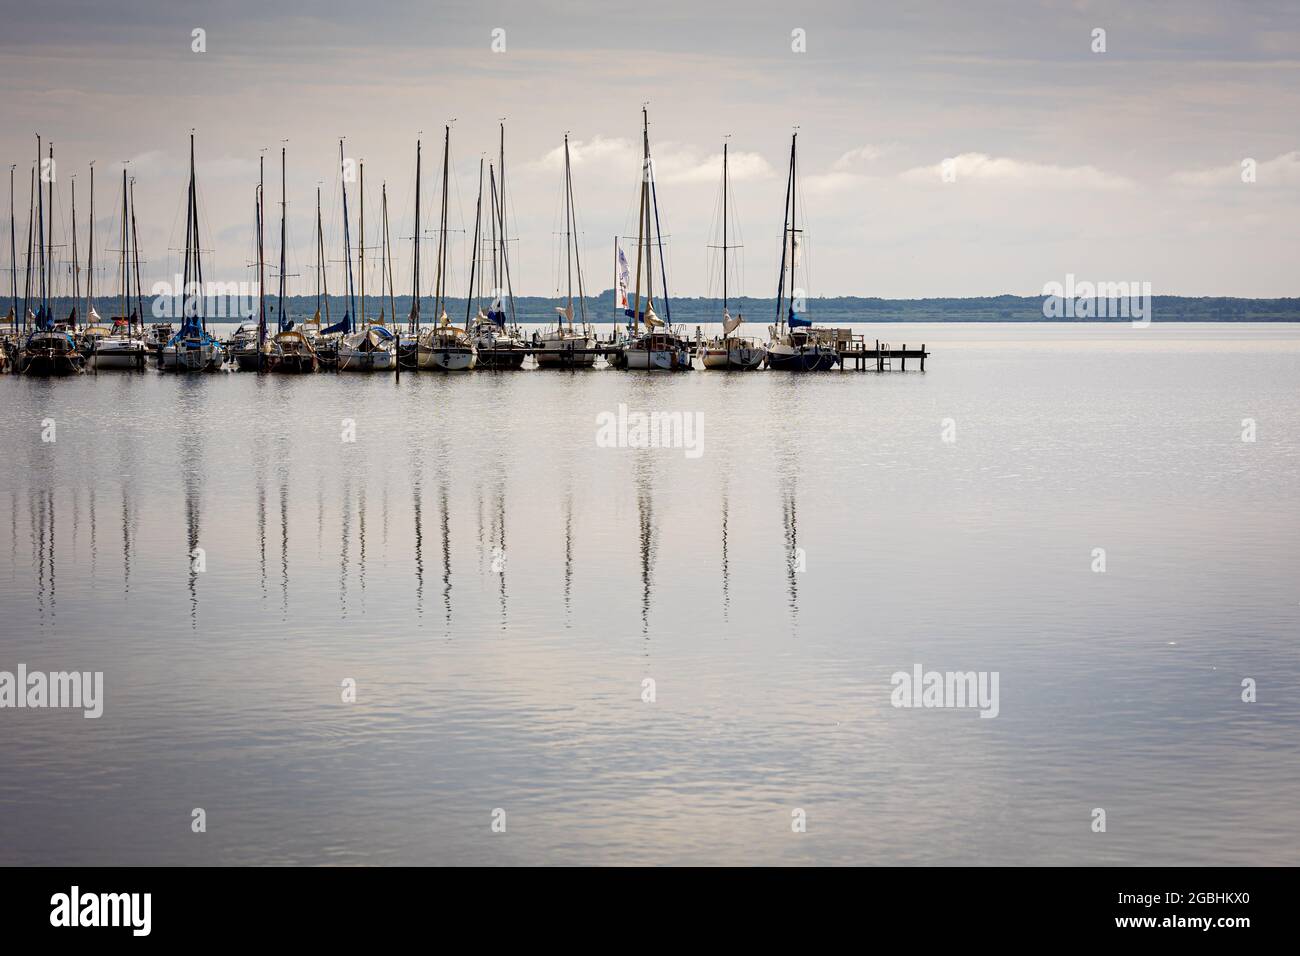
499	587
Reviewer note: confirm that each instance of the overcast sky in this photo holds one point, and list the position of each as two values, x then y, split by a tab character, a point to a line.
1121	165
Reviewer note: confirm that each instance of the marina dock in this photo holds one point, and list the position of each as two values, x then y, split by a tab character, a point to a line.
855	353
881	358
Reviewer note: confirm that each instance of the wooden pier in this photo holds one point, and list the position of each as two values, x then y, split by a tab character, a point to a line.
861	357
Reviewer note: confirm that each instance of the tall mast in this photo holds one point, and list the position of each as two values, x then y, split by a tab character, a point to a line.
568	230
649	228
473	262
27	293
13	251
415	267
361	242
322	277
505	248
724	227
388	257
90	250
40	233
659	239
261	255
794	219
49	231
318	251
492	241
284	208
347	244
785	231
501	210
123	270
135	254
189	235
128	242
201	304
76	264
641	218
439	287
577	255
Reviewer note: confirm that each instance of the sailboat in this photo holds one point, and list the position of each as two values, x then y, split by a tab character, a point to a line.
444	347
659	346
372	348
48	349
20	327
8	334
795	345
567	346
409	355
729	350
328	339
248	346
85	336
192	349
499	345
291	350
325	347
116	347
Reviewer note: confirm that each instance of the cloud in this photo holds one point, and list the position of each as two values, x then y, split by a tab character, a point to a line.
229	167
1002	171
846	172
682	167
1283	170
861	156
833	182
151	162
674	164
597	150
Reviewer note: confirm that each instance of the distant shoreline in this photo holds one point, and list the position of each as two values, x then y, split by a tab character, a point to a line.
824	311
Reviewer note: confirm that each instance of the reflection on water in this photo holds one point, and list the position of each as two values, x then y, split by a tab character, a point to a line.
568	557
826	538
444	516
417	483
646	519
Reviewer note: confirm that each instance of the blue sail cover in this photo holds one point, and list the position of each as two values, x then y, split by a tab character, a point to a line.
191	321
798	322
190	331
497	316
344	326
45	320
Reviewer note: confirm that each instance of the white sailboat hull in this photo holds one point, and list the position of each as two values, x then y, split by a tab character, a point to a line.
802	358
118	353
557	351
741	357
358	360
193	357
649	359
454	359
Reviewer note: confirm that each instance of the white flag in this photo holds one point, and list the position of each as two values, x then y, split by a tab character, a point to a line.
623	278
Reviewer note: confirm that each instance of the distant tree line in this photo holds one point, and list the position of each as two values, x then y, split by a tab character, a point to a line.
826	311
